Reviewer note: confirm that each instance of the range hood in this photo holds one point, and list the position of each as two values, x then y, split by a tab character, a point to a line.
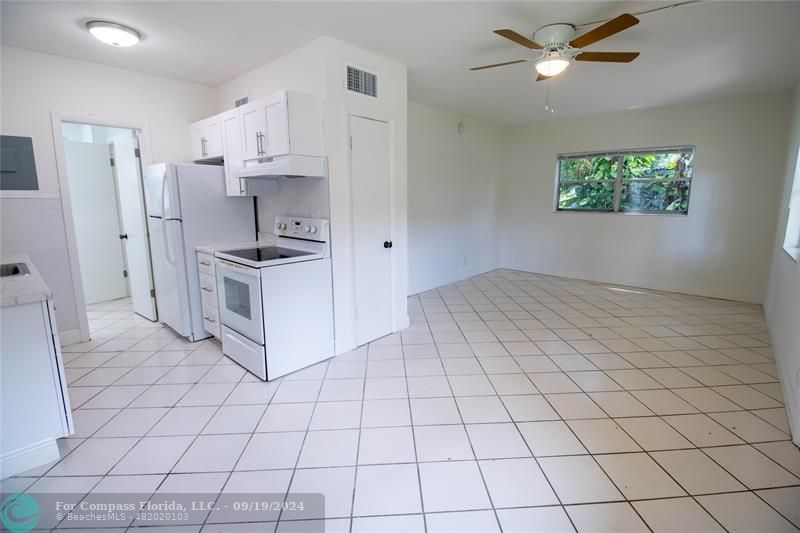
284	166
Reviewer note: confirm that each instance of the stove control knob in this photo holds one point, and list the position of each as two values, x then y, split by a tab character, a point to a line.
307	229
313	229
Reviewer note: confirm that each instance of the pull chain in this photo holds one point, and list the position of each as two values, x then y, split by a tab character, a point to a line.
547	106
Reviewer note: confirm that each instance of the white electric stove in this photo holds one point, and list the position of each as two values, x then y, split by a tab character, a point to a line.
276	302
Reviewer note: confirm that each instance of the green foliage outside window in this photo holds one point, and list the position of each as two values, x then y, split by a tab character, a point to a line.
657	181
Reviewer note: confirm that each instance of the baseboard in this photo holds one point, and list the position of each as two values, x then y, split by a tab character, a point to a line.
28	457
72	336
448	280
708	292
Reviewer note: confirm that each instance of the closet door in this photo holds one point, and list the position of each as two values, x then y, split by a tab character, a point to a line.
372	228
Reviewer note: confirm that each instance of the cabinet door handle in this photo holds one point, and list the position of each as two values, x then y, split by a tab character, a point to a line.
209	319
205	263
387	244
207	289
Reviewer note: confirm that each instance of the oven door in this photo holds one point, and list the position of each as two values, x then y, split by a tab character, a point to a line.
239	290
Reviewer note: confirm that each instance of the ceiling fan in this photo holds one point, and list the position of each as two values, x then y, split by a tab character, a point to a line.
560	47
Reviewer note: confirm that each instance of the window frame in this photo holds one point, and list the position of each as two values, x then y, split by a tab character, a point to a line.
619	179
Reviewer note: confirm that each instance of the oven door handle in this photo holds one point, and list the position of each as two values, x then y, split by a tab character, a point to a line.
241	269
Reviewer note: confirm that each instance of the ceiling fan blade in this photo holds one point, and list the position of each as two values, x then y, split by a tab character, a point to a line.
542	77
499	64
615	25
607	57
518	38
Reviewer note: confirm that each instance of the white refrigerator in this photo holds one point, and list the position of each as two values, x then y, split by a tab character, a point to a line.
187	207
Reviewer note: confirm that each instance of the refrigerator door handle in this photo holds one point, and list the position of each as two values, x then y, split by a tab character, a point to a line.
163	196
165	236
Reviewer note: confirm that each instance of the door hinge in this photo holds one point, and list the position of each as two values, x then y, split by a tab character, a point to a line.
124	273
112	161
137	152
152	293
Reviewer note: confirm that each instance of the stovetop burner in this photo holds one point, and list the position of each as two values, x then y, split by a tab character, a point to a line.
268	253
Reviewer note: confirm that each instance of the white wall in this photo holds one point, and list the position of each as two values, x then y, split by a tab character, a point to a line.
782	307
452	182
93	193
32	85
319	68
719	249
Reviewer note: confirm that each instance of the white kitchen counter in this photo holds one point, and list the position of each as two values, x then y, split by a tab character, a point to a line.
25	289
265	239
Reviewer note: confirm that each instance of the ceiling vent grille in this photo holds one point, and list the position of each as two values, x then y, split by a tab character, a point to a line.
241	101
362	82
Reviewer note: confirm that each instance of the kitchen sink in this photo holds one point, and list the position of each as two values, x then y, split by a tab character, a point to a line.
13	269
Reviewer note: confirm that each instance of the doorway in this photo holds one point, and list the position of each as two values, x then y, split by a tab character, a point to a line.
104	172
372	227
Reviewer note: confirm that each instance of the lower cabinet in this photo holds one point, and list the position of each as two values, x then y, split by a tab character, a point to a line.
34	404
208	288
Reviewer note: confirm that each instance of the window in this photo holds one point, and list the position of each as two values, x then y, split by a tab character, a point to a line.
791	240
655	180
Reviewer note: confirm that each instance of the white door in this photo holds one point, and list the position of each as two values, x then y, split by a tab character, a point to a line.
371	228
94	205
134	227
169	266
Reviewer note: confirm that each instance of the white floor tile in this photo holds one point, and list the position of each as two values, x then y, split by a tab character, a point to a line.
594	486
212	453
751	467
329	448
535	519
696	472
743	511
387	489
267	451
516	483
386	445
676	515
606	517
454	486
638	476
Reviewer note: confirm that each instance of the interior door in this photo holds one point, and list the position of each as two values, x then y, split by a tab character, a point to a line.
97	222
134	235
371	228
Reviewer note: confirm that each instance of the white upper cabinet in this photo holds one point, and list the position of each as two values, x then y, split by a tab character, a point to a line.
281	124
232	152
207	139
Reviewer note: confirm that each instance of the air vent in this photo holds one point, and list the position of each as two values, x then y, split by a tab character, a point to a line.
362	82
241	101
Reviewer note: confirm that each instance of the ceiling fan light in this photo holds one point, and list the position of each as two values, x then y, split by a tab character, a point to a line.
113	33
551	66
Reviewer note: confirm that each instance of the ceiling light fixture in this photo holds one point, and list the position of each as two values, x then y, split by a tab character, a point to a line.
552	63
113	33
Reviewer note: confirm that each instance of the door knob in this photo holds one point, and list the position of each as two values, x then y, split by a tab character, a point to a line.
387	244
123	235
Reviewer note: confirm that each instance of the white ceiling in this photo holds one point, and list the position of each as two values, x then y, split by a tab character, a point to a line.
689	53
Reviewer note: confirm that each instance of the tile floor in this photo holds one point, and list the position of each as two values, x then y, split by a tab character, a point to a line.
514	402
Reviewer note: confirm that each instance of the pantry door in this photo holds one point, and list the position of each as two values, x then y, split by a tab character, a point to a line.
372	227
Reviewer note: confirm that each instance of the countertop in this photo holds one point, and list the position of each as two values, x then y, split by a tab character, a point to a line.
26	289
264	239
